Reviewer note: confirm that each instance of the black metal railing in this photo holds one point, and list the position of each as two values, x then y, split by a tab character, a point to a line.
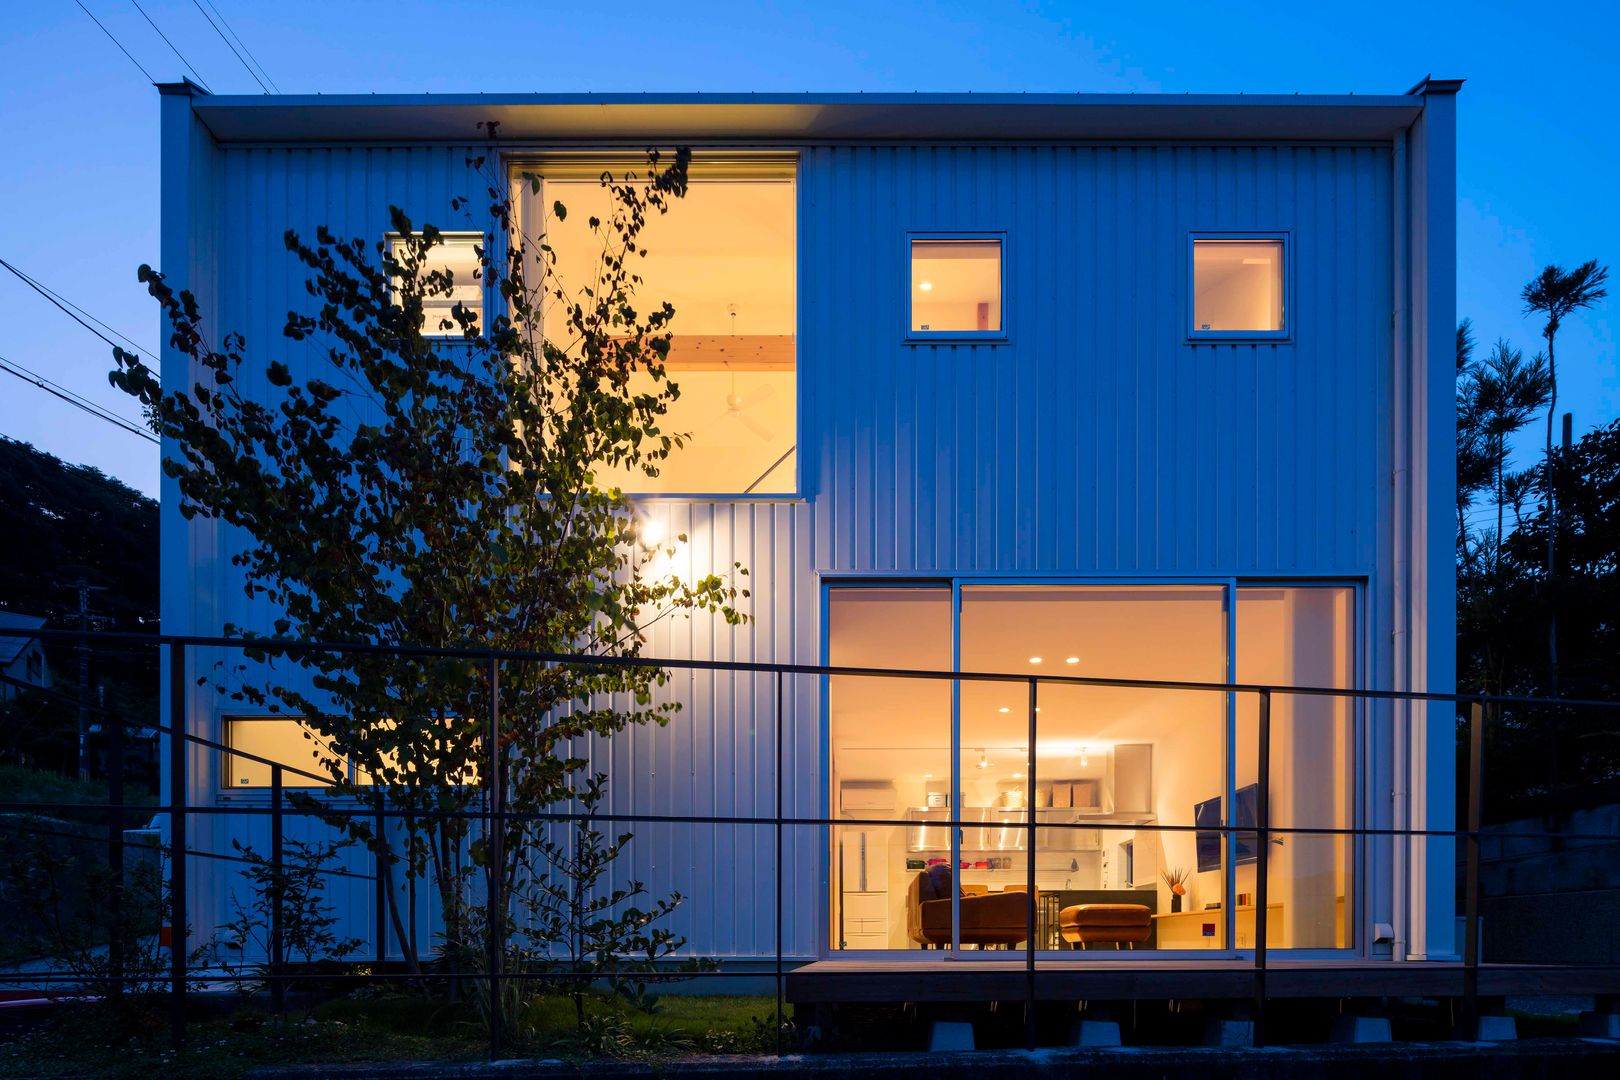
493	815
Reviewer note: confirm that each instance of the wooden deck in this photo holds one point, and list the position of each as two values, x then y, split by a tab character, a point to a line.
1073	980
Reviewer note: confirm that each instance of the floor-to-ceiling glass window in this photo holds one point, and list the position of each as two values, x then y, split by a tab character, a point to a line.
1137	793
890	757
1302	636
1110	762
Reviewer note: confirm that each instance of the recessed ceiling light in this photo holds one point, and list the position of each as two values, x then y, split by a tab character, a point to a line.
1034	659
1005	709
928	776
1071	659
926	286
1018	776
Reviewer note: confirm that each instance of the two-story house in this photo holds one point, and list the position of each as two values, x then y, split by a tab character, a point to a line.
1146	387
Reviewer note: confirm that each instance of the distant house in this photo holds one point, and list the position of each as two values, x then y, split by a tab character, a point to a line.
22	659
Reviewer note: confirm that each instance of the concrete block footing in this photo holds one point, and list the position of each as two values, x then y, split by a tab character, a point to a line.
1600	1025
1361	1029
1490	1029
1094	1033
946	1035
1228	1032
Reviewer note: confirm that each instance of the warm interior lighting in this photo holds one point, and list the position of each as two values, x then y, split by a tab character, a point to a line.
1238	285
962	280
1004	709
1085	758
1034	659
1071	659
724	258
984	762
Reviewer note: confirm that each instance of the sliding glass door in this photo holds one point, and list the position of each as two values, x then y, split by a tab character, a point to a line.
1138	794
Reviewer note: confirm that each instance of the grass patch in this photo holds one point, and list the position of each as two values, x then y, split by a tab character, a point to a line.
124	1044
19	783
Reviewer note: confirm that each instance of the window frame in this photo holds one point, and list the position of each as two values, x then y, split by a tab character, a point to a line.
1285	237
449	236
291	781
955	337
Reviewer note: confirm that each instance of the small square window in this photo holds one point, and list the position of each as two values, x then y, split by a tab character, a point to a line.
955	286
456	254
1237	286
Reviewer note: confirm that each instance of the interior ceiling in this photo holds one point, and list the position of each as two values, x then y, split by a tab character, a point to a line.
1169	633
726	246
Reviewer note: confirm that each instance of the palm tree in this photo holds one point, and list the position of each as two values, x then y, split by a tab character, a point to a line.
1555	293
1508	394
1473	468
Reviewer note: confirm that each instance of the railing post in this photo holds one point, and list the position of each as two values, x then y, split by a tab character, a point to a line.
177	843
1262	861
1476	747
1029	879
114	728
495	913
278	945
780	978
379	913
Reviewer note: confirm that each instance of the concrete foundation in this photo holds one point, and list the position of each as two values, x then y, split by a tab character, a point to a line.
950	1035
1094	1033
1361	1029
1228	1032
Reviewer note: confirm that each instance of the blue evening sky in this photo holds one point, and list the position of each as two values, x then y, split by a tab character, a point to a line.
1539	154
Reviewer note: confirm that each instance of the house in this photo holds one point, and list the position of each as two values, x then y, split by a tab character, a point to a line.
1143	387
22	659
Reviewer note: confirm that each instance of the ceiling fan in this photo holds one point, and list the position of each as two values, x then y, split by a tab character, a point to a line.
735	404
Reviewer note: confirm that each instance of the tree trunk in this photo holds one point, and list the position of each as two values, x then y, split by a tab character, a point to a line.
1552	518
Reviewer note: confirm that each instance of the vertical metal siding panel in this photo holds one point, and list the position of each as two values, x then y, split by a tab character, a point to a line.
1097	439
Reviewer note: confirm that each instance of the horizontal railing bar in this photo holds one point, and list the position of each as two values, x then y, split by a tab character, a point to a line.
957	965
479	653
562	817
219	856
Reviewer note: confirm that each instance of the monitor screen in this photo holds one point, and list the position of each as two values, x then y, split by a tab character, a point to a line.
1207	816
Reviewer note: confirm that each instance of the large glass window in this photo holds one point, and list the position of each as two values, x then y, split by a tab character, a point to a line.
891	760
1140	795
723	258
955	286
1237	286
1302	636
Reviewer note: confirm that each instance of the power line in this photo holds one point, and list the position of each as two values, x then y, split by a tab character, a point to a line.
115	41
64	303
78	402
184	62
238	39
231	47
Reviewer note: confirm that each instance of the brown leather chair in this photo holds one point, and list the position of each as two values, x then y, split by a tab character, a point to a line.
1089	924
987	918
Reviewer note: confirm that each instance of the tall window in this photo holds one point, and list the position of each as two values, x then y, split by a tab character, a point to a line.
724	257
955	286
1238	286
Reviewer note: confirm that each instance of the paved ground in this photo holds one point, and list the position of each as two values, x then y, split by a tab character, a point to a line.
1535	1058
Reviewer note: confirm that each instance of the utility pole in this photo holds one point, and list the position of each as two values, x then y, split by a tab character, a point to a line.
83	649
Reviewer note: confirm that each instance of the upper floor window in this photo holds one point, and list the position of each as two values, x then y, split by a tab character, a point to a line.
723	256
1238	287
956	284
457	256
